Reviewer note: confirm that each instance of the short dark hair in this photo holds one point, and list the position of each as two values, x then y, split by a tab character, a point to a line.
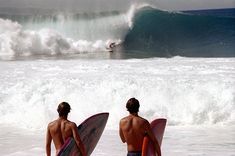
133	105
63	109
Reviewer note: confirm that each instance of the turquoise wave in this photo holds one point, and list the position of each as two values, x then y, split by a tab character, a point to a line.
166	34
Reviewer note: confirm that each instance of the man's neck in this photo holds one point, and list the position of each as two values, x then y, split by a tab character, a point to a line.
63	117
134	114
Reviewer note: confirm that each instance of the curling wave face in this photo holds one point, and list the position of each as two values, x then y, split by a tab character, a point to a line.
167	34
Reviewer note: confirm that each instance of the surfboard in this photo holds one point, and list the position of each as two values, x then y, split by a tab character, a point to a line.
158	128
90	132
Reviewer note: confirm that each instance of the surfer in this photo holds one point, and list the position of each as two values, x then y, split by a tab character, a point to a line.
111	46
133	129
61	129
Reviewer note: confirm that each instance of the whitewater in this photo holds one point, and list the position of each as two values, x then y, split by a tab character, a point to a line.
195	95
61	33
179	65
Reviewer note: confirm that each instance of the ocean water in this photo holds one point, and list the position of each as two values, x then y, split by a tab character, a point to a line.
141	31
180	65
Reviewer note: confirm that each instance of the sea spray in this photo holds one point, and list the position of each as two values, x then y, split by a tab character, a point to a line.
16	42
185	91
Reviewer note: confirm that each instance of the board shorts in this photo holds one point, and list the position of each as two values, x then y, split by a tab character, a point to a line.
137	153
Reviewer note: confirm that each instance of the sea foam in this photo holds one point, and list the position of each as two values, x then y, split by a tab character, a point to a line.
17	42
185	91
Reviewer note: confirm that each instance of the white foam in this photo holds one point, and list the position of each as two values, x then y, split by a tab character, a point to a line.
186	91
17	42
64	33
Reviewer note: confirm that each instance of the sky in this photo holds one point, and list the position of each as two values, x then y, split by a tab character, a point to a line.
118	4
194	4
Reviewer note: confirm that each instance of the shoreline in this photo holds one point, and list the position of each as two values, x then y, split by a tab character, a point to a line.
178	141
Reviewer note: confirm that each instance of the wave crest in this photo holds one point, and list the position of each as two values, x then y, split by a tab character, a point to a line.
16	42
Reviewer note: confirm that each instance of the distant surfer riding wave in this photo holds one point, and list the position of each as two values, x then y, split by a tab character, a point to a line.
112	45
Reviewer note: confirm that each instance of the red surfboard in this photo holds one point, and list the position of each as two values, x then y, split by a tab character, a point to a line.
90	132
158	128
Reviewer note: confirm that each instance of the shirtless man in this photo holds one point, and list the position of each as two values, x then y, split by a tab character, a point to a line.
134	128
62	129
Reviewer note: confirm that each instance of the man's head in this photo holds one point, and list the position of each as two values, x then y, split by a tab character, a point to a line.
63	109
133	105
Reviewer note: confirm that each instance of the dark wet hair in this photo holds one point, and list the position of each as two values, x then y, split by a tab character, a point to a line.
63	109
133	105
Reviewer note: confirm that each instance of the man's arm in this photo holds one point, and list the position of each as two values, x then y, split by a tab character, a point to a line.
78	140
153	138
121	133
48	142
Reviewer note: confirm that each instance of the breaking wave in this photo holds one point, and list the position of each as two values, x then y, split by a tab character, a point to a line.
142	29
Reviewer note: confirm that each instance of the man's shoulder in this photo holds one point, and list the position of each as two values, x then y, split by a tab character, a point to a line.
57	122
124	119
52	122
138	118
71	123
143	120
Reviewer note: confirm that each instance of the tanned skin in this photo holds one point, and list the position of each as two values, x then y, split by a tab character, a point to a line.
133	129
59	131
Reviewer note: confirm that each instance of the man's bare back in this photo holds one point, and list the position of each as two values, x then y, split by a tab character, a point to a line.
60	130
133	129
